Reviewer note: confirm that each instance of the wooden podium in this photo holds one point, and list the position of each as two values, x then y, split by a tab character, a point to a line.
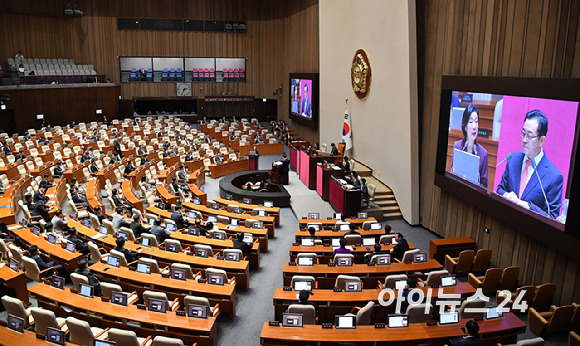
253	161
276	173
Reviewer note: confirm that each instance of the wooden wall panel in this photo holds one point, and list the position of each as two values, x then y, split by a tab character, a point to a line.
493	38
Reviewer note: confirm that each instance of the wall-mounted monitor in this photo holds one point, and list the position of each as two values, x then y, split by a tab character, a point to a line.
304	98
508	146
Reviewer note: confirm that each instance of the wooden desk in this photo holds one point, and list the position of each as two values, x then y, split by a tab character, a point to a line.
325	253
502	330
229	167
76	172
127	189
329	234
132	281
323	178
263	149
15	282
274	211
330	223
330	303
438	248
10	337
167	197
9	200
346	201
94	195
202	331
326	276
195	181
268	221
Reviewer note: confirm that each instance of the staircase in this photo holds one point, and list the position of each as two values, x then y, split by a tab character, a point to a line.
384	206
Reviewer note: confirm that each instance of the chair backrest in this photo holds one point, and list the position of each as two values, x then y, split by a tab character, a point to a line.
309	278
509	278
185	267
156	295
78	279
128	232
418	314
531	342
153	265
543	296
151	237
387	238
122	259
560	319
175	242
342	255
95	253
17	254
390	280
408	255
123	337
481	261
471	304
203	301
108	288
15	307
434	277
217	271
160	340
363	316
308	312
491	280
342	279
464	262
31	269
4	251
109	225
353	239
43	318
312	255
575	321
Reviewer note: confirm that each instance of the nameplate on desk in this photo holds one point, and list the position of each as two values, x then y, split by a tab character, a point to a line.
370	264
432	323
379	325
201	281
274	324
327	326
331	264
478	318
72	290
165	275
435	286
40	336
11	228
291	263
326	245
337	289
141	307
408	262
287	288
4	206
329	218
105	299
180	313
220	257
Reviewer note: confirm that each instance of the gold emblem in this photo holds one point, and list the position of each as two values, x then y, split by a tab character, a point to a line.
360	74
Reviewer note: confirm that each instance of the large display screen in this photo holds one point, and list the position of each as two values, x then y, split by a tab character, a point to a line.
304	96
513	142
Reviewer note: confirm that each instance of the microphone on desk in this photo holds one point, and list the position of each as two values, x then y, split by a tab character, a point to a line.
533	163
507	158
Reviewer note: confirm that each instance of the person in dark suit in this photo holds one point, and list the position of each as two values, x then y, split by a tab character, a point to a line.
352	229
130	256
77	198
85	157
364	191
73	237
175	185
6	149
399	250
28	201
333	149
99	214
93	167
83	269
519	181
159	232
45	182
58	170
473	338
41	209
137	227
141	151
240	244
346	164
285	169
20	156
129	168
38	194
369	255
117	147
306	105
42	265
115	197
179	220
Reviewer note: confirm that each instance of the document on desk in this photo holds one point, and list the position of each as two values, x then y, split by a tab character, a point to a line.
67	308
15	227
97	236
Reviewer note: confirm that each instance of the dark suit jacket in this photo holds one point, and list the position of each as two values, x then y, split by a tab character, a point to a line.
400	248
58	171
36	196
42	210
552	181
178	219
42	265
130	256
471	341
138	229
79	244
160	234
334	151
93	168
240	245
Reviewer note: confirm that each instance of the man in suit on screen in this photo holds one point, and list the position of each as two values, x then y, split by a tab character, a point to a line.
306	106
519	182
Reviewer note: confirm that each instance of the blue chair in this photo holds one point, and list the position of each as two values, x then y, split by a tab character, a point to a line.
150	70
134	70
172	70
133	76
149	76
165	70
178	70
172	76
164	76
179	76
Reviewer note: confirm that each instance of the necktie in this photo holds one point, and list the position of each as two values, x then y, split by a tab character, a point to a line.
524	179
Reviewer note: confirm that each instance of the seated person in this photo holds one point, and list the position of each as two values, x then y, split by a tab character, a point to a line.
175	185
59	221
346	164
41	209
119	220
130	256
73	236
28	201
93	167
119	202
20	156
218	159
473	338
83	269
38	194
411	283
42	265
78	198
352	230
312	232
240	244
303	298
129	168
378	251
137	227
180	221
58	169
342	248
399	250
159	232
210	228
45	182
99	214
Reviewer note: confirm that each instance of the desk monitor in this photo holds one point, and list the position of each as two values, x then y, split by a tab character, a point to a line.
248	238
219	236
353	286
87	223
344	262
305	261
170	247
337	216
51	238
345	227
196	201
236	210
23	222
13	264
262	213
314	216
302	285
448	281
143	268
234	222
191	215
257	225
145	242
466	165
362	215
104	343
420	257
383	260
170	227
197	311
292	320
215	279
193	231
199	252
316	226
268	204
55	336
335	242
215	206
233	256
15	323
400	285
85	290
113	261
228	197
103	229
307	241
119	298
212	219
161	205
345	322
492	312
448	318
35	230
368	241
376	226
178	274
156	305
57	282
398	321
70	246
246	200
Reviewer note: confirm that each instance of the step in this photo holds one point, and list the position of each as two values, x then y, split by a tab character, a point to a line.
384	205
392	216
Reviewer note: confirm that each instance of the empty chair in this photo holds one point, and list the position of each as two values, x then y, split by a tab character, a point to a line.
555	321
153	265
353	239
487	283
160	340
231	281
386	239
151	237
481	261
433	278
471	304
408	255
312	255
461	264
82	333
203	247
342	279
391	279
185	267
342	255
527	293
418	314
203	301
543	296
175	243
363	315
15	307
170	306
78	279
509	278
44	318
308	312
128	338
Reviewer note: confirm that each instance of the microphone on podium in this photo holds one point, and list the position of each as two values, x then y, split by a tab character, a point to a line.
533	163
507	158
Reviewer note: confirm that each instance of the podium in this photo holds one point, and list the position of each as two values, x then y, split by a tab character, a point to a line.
253	161
276	174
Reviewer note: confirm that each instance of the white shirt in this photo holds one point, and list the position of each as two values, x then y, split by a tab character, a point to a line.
536	159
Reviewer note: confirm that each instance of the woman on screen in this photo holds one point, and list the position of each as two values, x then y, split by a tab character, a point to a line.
470	127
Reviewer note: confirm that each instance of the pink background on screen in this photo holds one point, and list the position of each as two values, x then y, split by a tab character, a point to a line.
302	83
559	139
